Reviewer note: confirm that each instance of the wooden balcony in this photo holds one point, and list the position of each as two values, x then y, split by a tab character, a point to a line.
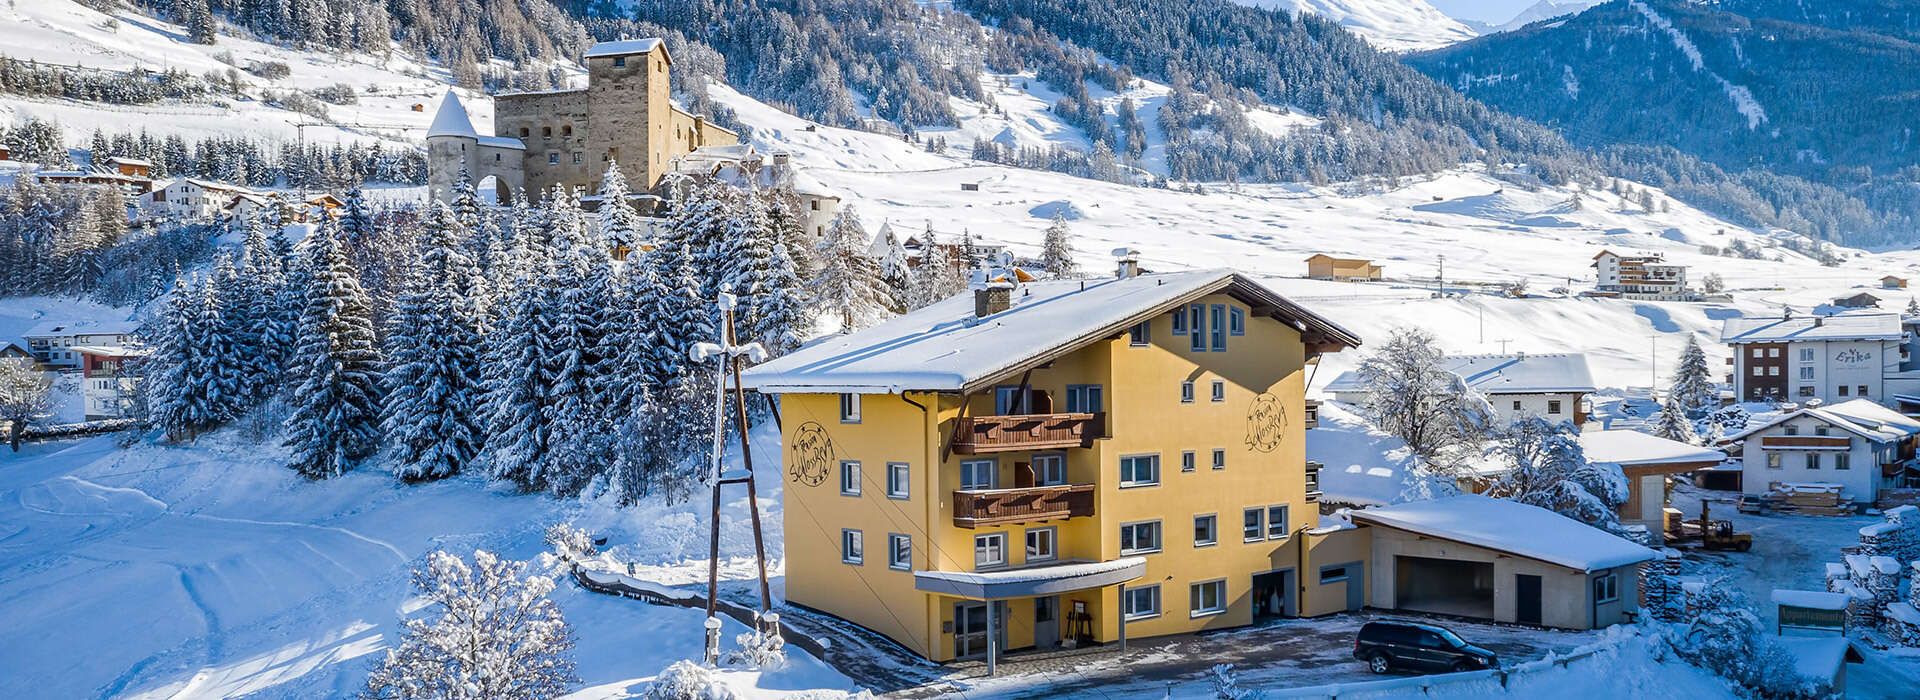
1026	505
1805	442
1313	414
989	434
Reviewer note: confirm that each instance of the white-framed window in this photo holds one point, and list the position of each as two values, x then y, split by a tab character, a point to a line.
1219	390
979	474
853	548
849	408
1606	588
1187	461
1206	530
1219	458
1143	602
990	550
1813	460
1186	392
1196	326
1139	470
1276	522
899	480
1773	352
1773	371
1140	538
1084	398
1219	327
849	478
899	552
1759	371
1207	598
1236	321
1253	524
1806	372
1140	335
1050	470
1773	460
1841	460
1806	354
1040	544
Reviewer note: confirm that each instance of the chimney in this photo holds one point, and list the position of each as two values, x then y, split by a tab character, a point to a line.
1818	321
1129	260
991	299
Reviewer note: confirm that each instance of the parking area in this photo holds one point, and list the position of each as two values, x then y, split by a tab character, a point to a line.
1279	654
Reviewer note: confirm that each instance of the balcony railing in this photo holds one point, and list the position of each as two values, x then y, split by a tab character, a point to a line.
986	434
1024	505
1817	442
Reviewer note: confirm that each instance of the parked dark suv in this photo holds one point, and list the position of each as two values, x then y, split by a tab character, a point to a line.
1414	646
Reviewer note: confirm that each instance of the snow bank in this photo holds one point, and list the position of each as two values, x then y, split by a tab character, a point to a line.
1625	663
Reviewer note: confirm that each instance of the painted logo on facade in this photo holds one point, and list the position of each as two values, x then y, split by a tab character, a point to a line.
812	456
1266	423
1853	356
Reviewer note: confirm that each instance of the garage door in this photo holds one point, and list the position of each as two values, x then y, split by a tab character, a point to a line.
1443	586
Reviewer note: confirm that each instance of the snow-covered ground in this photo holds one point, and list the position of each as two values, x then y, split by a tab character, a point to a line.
211	571
1390	25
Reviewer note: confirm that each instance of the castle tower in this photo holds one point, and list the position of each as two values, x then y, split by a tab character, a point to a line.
629	107
453	145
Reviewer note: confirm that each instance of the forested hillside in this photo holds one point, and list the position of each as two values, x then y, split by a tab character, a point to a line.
1825	91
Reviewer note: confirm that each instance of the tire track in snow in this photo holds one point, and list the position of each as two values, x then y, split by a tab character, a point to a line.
397	554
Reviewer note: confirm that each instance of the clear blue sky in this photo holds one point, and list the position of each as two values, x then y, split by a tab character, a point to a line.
1491	11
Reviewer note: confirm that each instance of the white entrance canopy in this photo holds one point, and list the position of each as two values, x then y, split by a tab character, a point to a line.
1030	581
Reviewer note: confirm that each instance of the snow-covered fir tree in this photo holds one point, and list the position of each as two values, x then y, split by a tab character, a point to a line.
1693	385
1412	396
1673	424
231	338
336	405
847	284
1056	249
939	276
896	278
620	225
1546	467
175	369
271	325
518	433
433	345
579	299
491	633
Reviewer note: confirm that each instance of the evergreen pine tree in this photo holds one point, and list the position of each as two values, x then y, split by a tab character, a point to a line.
1056	252
937	277
579	287
336	405
179	362
1673	423
230	341
847	284
620	225
895	276
433	350
1693	386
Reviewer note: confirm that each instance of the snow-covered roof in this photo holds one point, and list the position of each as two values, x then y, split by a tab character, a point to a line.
213	185
803	183
880	246
944	347
622	48
1773	329
1032	580
131	161
1861	417
1514	528
452	119
1818	600
1518	373
502	142
1634	448
57	329
112	350
1817	658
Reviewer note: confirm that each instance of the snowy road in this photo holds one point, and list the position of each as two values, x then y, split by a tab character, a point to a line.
164	572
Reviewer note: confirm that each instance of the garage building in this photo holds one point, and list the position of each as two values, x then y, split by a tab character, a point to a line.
1500	560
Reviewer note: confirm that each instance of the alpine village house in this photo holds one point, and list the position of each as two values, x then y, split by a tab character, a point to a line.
1079	462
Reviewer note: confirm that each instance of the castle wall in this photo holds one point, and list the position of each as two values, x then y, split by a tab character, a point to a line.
554	127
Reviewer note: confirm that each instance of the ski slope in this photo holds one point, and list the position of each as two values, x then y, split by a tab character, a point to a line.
1389	25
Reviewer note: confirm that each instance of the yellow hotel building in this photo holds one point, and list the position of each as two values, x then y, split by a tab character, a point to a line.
1061	463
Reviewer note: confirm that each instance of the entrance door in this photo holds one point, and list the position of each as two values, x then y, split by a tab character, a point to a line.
1527	594
1046	622
1273	594
970	629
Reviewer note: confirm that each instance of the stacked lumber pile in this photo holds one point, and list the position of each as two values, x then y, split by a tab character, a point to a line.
1816	499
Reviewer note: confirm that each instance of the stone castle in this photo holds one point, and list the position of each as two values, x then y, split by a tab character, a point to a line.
567	137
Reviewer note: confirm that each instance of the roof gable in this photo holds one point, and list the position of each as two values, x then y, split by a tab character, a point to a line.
943	347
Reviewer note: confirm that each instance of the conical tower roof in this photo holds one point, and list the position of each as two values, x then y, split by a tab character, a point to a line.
452	119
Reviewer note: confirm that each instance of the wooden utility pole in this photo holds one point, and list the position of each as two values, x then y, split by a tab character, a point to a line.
731	356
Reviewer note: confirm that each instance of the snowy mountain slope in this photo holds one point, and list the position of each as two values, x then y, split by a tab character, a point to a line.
1545	10
1391	25
67	33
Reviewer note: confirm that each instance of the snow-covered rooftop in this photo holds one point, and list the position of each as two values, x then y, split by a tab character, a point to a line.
1514	528
623	47
502	142
452	119
55	329
1818	600
1518	373
1773	329
1634	448
1861	417
1818	658
944	347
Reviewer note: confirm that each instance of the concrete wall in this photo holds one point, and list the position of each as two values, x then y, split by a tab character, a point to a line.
1566	599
